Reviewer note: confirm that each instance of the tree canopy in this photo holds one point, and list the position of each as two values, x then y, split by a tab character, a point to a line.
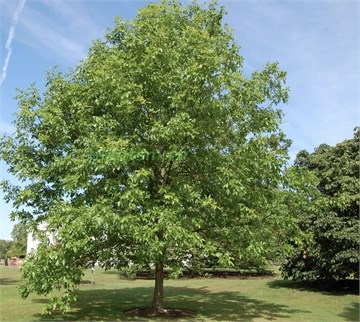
19	236
4	248
154	148
332	251
16	246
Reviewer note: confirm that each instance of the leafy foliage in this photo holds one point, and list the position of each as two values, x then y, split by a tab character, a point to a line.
17	246
169	82
19	236
333	251
4	248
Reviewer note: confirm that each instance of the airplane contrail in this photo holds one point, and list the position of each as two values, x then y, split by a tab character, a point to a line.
10	39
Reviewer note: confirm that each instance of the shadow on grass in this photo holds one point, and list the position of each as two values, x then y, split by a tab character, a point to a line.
112	272
8	281
206	273
109	305
351	313
327	288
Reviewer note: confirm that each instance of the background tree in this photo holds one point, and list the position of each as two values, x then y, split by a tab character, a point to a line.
333	251
155	147
16	246
19	242
4	248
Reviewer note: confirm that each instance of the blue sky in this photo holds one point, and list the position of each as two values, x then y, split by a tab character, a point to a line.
316	42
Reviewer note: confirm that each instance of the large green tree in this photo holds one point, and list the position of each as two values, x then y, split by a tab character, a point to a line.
154	148
16	246
332	250
5	246
19	236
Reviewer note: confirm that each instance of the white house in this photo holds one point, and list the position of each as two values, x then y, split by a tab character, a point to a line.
32	242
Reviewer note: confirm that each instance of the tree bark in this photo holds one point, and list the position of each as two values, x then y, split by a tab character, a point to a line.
158	300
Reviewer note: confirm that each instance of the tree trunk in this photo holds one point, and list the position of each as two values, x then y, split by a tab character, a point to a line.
158	300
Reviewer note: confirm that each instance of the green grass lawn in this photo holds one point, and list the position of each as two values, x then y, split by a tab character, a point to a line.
216	299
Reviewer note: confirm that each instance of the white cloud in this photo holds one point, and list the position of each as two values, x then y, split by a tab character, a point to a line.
10	40
63	28
75	18
45	35
6	128
317	43
47	39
